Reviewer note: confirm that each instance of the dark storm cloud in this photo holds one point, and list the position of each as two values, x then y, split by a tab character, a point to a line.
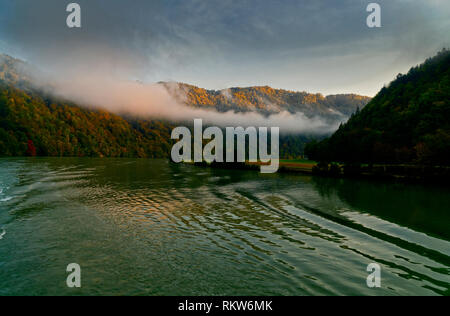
219	43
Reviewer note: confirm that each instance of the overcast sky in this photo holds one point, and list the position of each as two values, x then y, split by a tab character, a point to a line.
312	45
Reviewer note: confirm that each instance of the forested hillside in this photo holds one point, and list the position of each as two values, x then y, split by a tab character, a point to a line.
267	100
407	122
35	123
13	71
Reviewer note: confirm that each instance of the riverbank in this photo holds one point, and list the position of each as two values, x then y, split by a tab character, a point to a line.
292	166
407	173
402	172
288	166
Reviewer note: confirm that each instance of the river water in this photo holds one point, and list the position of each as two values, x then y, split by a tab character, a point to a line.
148	227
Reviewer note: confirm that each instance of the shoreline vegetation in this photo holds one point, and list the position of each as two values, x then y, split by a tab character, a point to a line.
293	166
396	172
405	127
409	173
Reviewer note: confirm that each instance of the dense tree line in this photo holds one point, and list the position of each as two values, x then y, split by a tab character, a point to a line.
267	100
407	122
31	124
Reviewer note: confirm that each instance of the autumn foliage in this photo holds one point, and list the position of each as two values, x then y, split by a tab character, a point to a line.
407	122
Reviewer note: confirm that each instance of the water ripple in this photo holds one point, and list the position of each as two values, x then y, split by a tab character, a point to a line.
149	227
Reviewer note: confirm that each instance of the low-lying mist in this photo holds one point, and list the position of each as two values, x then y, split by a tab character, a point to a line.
107	88
153	101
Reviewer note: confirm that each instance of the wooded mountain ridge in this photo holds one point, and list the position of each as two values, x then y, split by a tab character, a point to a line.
408	121
33	122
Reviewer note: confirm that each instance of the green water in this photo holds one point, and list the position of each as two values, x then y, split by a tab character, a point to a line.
147	227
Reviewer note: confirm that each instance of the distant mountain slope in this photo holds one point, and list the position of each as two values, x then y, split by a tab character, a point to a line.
407	122
32	124
267	100
264	100
35	123
13	70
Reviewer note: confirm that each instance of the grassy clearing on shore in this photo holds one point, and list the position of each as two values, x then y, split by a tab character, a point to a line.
297	165
286	165
293	165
